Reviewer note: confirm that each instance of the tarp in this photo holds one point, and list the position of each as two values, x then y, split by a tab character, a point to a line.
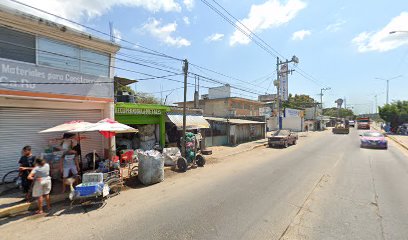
192	121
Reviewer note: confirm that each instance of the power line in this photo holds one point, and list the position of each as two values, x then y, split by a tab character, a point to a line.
250	33
156	53
96	30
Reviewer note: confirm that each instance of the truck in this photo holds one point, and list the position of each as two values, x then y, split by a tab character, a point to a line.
363	123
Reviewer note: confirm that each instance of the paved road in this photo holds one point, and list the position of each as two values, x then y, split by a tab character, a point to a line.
325	187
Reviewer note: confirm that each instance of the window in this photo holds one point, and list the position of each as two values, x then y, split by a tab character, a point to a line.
94	63
72	58
59	55
17	45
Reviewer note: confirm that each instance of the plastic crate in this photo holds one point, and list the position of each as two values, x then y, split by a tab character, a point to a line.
86	189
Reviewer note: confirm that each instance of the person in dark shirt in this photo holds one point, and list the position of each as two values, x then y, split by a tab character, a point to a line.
26	163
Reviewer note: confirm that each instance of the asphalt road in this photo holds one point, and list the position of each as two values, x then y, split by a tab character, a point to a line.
325	187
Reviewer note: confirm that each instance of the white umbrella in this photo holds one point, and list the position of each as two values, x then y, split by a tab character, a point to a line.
67	127
106	125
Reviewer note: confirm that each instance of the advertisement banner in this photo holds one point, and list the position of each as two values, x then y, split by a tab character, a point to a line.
283	82
20	76
289	112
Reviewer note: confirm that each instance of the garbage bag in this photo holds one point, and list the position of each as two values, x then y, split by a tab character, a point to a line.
171	155
151	167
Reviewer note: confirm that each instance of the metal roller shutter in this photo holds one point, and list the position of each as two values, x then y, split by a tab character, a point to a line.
20	127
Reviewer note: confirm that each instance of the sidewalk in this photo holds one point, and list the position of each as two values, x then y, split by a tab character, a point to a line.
402	140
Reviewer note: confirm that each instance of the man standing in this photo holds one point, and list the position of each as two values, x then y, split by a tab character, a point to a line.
26	163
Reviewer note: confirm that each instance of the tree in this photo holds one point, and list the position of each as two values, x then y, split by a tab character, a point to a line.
334	112
395	113
140	97
299	101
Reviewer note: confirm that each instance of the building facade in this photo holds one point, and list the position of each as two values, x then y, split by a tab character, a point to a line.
50	74
227	107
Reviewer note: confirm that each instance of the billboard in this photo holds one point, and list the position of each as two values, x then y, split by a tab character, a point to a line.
283	81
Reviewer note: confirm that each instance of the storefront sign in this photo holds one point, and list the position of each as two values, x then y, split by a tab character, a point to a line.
20	76
138	111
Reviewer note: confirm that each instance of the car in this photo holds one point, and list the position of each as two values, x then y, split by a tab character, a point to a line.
341	128
282	138
373	139
352	123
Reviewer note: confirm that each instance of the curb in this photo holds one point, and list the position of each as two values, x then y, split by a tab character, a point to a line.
398	142
5	212
246	150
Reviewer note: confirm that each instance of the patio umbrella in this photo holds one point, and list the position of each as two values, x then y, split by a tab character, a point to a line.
67	127
107	127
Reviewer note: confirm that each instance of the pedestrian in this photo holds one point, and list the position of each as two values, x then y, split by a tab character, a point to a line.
69	167
42	183
68	141
26	164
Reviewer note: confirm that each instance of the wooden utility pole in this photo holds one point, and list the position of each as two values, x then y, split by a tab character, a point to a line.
183	139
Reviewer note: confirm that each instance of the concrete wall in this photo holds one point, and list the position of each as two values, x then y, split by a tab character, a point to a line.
293	123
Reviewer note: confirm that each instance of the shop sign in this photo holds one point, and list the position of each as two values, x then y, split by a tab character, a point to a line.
138	111
29	77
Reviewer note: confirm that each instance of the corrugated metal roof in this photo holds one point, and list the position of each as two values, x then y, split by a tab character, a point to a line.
233	120
192	121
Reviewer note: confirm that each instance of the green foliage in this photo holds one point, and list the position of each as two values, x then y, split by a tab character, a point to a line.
146	98
299	101
395	113
123	88
332	112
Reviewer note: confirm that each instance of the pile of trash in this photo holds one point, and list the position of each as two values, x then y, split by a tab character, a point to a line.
147	137
151	167
190	146
171	155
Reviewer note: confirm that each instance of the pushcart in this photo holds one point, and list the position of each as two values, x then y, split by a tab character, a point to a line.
193	155
95	188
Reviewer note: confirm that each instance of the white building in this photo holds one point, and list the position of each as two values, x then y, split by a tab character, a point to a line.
47	78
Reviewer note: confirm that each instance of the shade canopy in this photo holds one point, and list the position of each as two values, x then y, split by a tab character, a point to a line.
68	127
192	121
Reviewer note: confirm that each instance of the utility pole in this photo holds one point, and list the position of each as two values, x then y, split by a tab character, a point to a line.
183	139
376	103
294	60
388	89
278	94
321	95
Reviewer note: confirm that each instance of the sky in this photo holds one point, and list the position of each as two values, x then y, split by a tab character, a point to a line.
341	44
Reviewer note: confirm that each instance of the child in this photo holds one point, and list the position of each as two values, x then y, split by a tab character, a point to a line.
42	183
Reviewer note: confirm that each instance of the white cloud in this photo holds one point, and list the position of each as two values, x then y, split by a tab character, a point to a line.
117	35
381	40
189	4
79	9
267	15
334	27
164	33
300	35
215	37
186	20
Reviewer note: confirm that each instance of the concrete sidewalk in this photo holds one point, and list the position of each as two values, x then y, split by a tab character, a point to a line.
402	140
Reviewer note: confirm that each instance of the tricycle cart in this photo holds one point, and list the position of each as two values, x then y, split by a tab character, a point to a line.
193	154
95	188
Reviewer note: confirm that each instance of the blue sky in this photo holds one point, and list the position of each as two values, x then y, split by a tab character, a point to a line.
344	45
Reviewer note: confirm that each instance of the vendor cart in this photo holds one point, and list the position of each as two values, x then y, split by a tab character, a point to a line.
193	154
95	188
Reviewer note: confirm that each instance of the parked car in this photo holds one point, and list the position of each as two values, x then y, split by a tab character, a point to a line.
282	138
373	139
352	123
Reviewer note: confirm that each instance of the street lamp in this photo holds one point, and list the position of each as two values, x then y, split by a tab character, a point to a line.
388	84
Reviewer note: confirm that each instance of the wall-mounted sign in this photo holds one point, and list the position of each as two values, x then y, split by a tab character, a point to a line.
20	76
138	111
289	112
